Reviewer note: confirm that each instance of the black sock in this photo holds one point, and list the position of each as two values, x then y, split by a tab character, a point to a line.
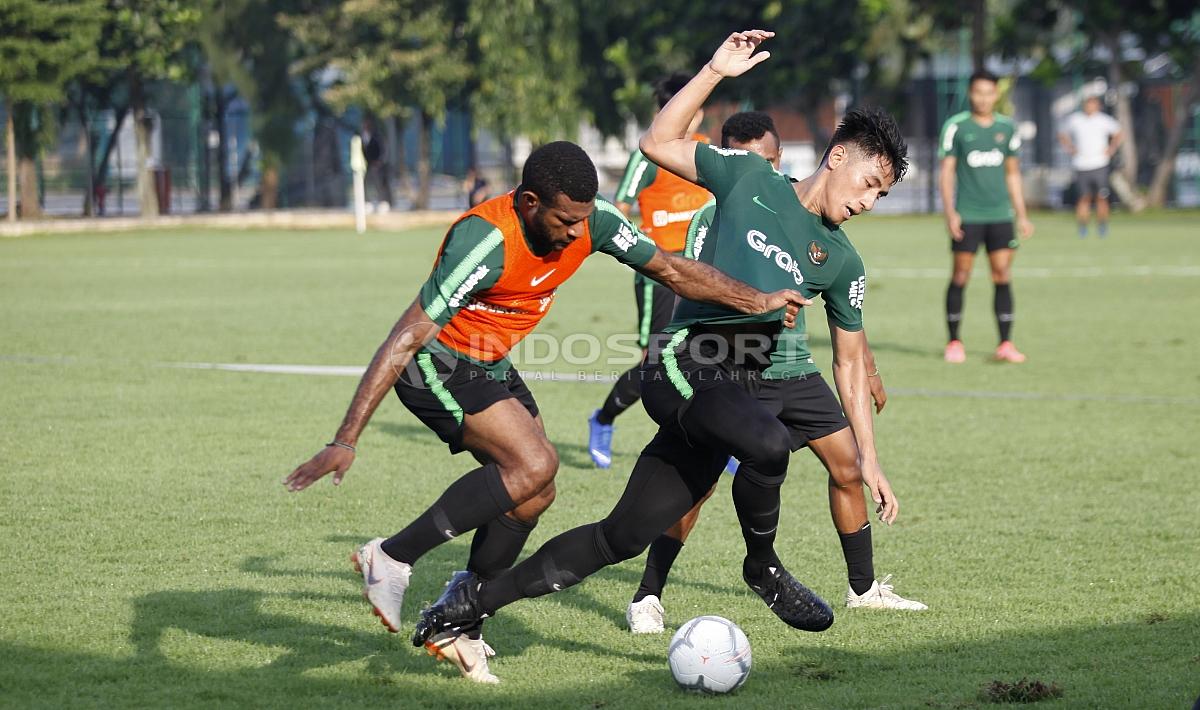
954	308
1002	303
473	500
624	394
661	557
564	561
496	545
758	513
494	548
860	561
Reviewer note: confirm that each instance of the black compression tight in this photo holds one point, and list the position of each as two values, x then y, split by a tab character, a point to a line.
670	477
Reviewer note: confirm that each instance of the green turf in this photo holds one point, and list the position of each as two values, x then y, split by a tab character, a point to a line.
151	558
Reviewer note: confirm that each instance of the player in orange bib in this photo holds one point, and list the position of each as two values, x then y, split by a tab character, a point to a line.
494	279
667	203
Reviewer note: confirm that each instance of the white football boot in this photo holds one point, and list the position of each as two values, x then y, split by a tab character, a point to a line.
384	581
881	595
646	616
470	656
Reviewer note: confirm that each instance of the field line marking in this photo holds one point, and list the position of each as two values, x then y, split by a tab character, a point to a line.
593	377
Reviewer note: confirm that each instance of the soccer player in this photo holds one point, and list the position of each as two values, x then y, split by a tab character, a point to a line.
699	387
755	132
1091	138
978	149
494	279
667	203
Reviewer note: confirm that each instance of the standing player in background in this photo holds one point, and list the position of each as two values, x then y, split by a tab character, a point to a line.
667	203
978	149
494	280
1091	138
754	131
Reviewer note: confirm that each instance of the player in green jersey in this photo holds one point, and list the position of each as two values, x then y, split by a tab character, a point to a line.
773	231
978	149
754	131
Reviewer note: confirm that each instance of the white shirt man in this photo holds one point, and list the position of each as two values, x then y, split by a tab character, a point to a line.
1091	138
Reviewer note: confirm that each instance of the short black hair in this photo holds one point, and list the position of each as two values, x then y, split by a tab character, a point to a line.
982	75
668	86
876	134
560	167
747	126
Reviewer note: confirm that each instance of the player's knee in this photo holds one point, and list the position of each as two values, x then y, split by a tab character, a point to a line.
774	447
618	543
1001	276
541	463
848	476
545	497
532	472
960	278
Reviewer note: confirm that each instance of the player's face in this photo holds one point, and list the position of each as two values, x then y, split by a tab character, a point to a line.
983	95
856	182
767	147
552	226
1092	105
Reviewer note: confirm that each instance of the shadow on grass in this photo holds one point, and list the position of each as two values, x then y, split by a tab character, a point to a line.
283	661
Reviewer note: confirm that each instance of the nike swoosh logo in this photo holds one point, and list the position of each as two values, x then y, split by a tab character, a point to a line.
538	279
760	204
372	580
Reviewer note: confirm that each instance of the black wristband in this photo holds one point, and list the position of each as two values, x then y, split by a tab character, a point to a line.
343	445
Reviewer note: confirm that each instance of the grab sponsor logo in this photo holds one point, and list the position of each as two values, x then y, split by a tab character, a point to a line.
985	158
784	260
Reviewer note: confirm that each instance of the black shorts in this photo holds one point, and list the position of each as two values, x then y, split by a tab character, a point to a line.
655	306
1092	183
993	235
803	403
441	390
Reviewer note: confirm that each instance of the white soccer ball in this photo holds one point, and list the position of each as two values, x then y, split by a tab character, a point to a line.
710	654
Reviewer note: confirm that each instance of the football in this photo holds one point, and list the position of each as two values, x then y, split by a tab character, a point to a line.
709	654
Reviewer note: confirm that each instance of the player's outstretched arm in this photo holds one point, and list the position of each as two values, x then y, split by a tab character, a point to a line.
411	332
667	142
698	281
850	376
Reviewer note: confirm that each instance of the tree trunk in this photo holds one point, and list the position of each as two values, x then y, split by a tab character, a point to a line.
223	177
269	188
11	158
90	196
424	163
403	178
142	126
1129	153
1156	195
979	35
31	208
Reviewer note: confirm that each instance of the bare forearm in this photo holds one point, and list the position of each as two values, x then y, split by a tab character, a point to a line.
673	120
408	335
850	378
698	281
946	185
667	142
1016	193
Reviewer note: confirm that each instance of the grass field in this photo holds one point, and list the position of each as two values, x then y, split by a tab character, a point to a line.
152	559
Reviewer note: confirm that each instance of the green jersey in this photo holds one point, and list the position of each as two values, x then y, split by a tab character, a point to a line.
757	231
981	196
